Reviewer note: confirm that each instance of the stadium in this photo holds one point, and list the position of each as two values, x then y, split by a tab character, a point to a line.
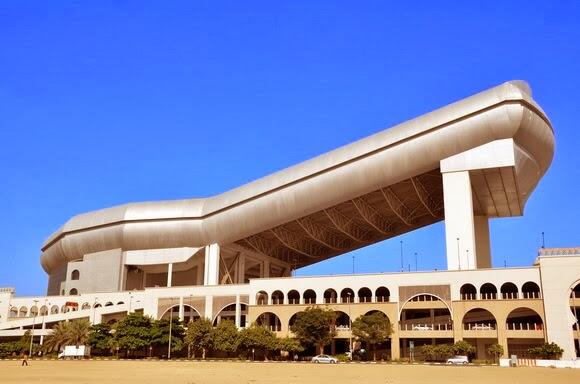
232	256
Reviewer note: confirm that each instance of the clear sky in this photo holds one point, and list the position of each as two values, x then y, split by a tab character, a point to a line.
108	102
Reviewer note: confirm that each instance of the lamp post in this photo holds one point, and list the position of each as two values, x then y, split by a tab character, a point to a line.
170	321
402	266
32	332
458	255
415	261
350	326
94	309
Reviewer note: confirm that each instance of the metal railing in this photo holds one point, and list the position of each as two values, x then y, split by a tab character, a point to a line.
524	326
479	326
426	327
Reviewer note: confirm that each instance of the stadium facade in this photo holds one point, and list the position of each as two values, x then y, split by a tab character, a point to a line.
231	256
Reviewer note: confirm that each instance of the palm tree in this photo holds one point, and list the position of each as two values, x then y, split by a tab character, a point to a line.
57	338
75	332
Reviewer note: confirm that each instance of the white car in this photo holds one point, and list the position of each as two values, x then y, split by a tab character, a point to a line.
324	359
422	328
458	360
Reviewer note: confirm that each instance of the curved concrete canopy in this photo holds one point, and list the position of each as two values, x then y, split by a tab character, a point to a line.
378	187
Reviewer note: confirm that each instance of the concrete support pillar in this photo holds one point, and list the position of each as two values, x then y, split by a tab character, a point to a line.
395	347
181	309
266	268
212	266
482	242
459	221
238	311
241	269
169	274
208	307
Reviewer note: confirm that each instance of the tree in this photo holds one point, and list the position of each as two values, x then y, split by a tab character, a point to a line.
549	351
258	337
226	337
289	344
463	348
199	335
496	350
429	352
315	326
100	337
372	329
57	338
133	332
443	351
78	332
160	334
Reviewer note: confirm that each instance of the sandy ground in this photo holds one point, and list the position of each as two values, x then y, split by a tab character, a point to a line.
142	372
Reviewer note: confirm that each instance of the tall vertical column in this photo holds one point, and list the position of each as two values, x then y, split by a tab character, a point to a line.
212	266
459	221
238	311
266	268
482	242
169	274
208	313
181	309
241	269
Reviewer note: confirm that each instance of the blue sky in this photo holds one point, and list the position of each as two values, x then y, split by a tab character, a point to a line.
103	103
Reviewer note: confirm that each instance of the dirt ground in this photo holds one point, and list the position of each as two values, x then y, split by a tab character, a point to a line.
143	372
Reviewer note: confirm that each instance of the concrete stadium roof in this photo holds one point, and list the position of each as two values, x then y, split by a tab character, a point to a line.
373	189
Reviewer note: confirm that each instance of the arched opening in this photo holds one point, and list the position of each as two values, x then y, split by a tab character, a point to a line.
575	308
73	292
34	311
488	291
509	291
524	319
347	295
75	275
479	319
309	296
293	297
261	298
530	290
372	312
341	321
468	292
23	312
54	310
86	306
108	304
269	321
382	294
277	298
229	313
120	303
330	296
189	313
436	318
97	305
365	295
43	310
13	312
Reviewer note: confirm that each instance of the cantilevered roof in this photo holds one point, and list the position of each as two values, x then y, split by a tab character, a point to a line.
373	189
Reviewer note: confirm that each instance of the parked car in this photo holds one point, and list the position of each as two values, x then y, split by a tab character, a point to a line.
481	327
422	328
324	359
458	360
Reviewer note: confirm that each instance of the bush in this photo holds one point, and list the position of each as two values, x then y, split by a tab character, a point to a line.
548	351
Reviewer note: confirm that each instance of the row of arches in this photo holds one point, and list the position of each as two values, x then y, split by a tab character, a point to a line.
190	313
508	290
44	310
476	319
330	296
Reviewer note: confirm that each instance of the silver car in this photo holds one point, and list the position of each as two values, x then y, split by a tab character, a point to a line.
324	359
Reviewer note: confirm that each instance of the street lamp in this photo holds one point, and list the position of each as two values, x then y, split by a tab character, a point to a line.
458	255
94	309
415	261
402	267
348	294
32	332
170	321
44	313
